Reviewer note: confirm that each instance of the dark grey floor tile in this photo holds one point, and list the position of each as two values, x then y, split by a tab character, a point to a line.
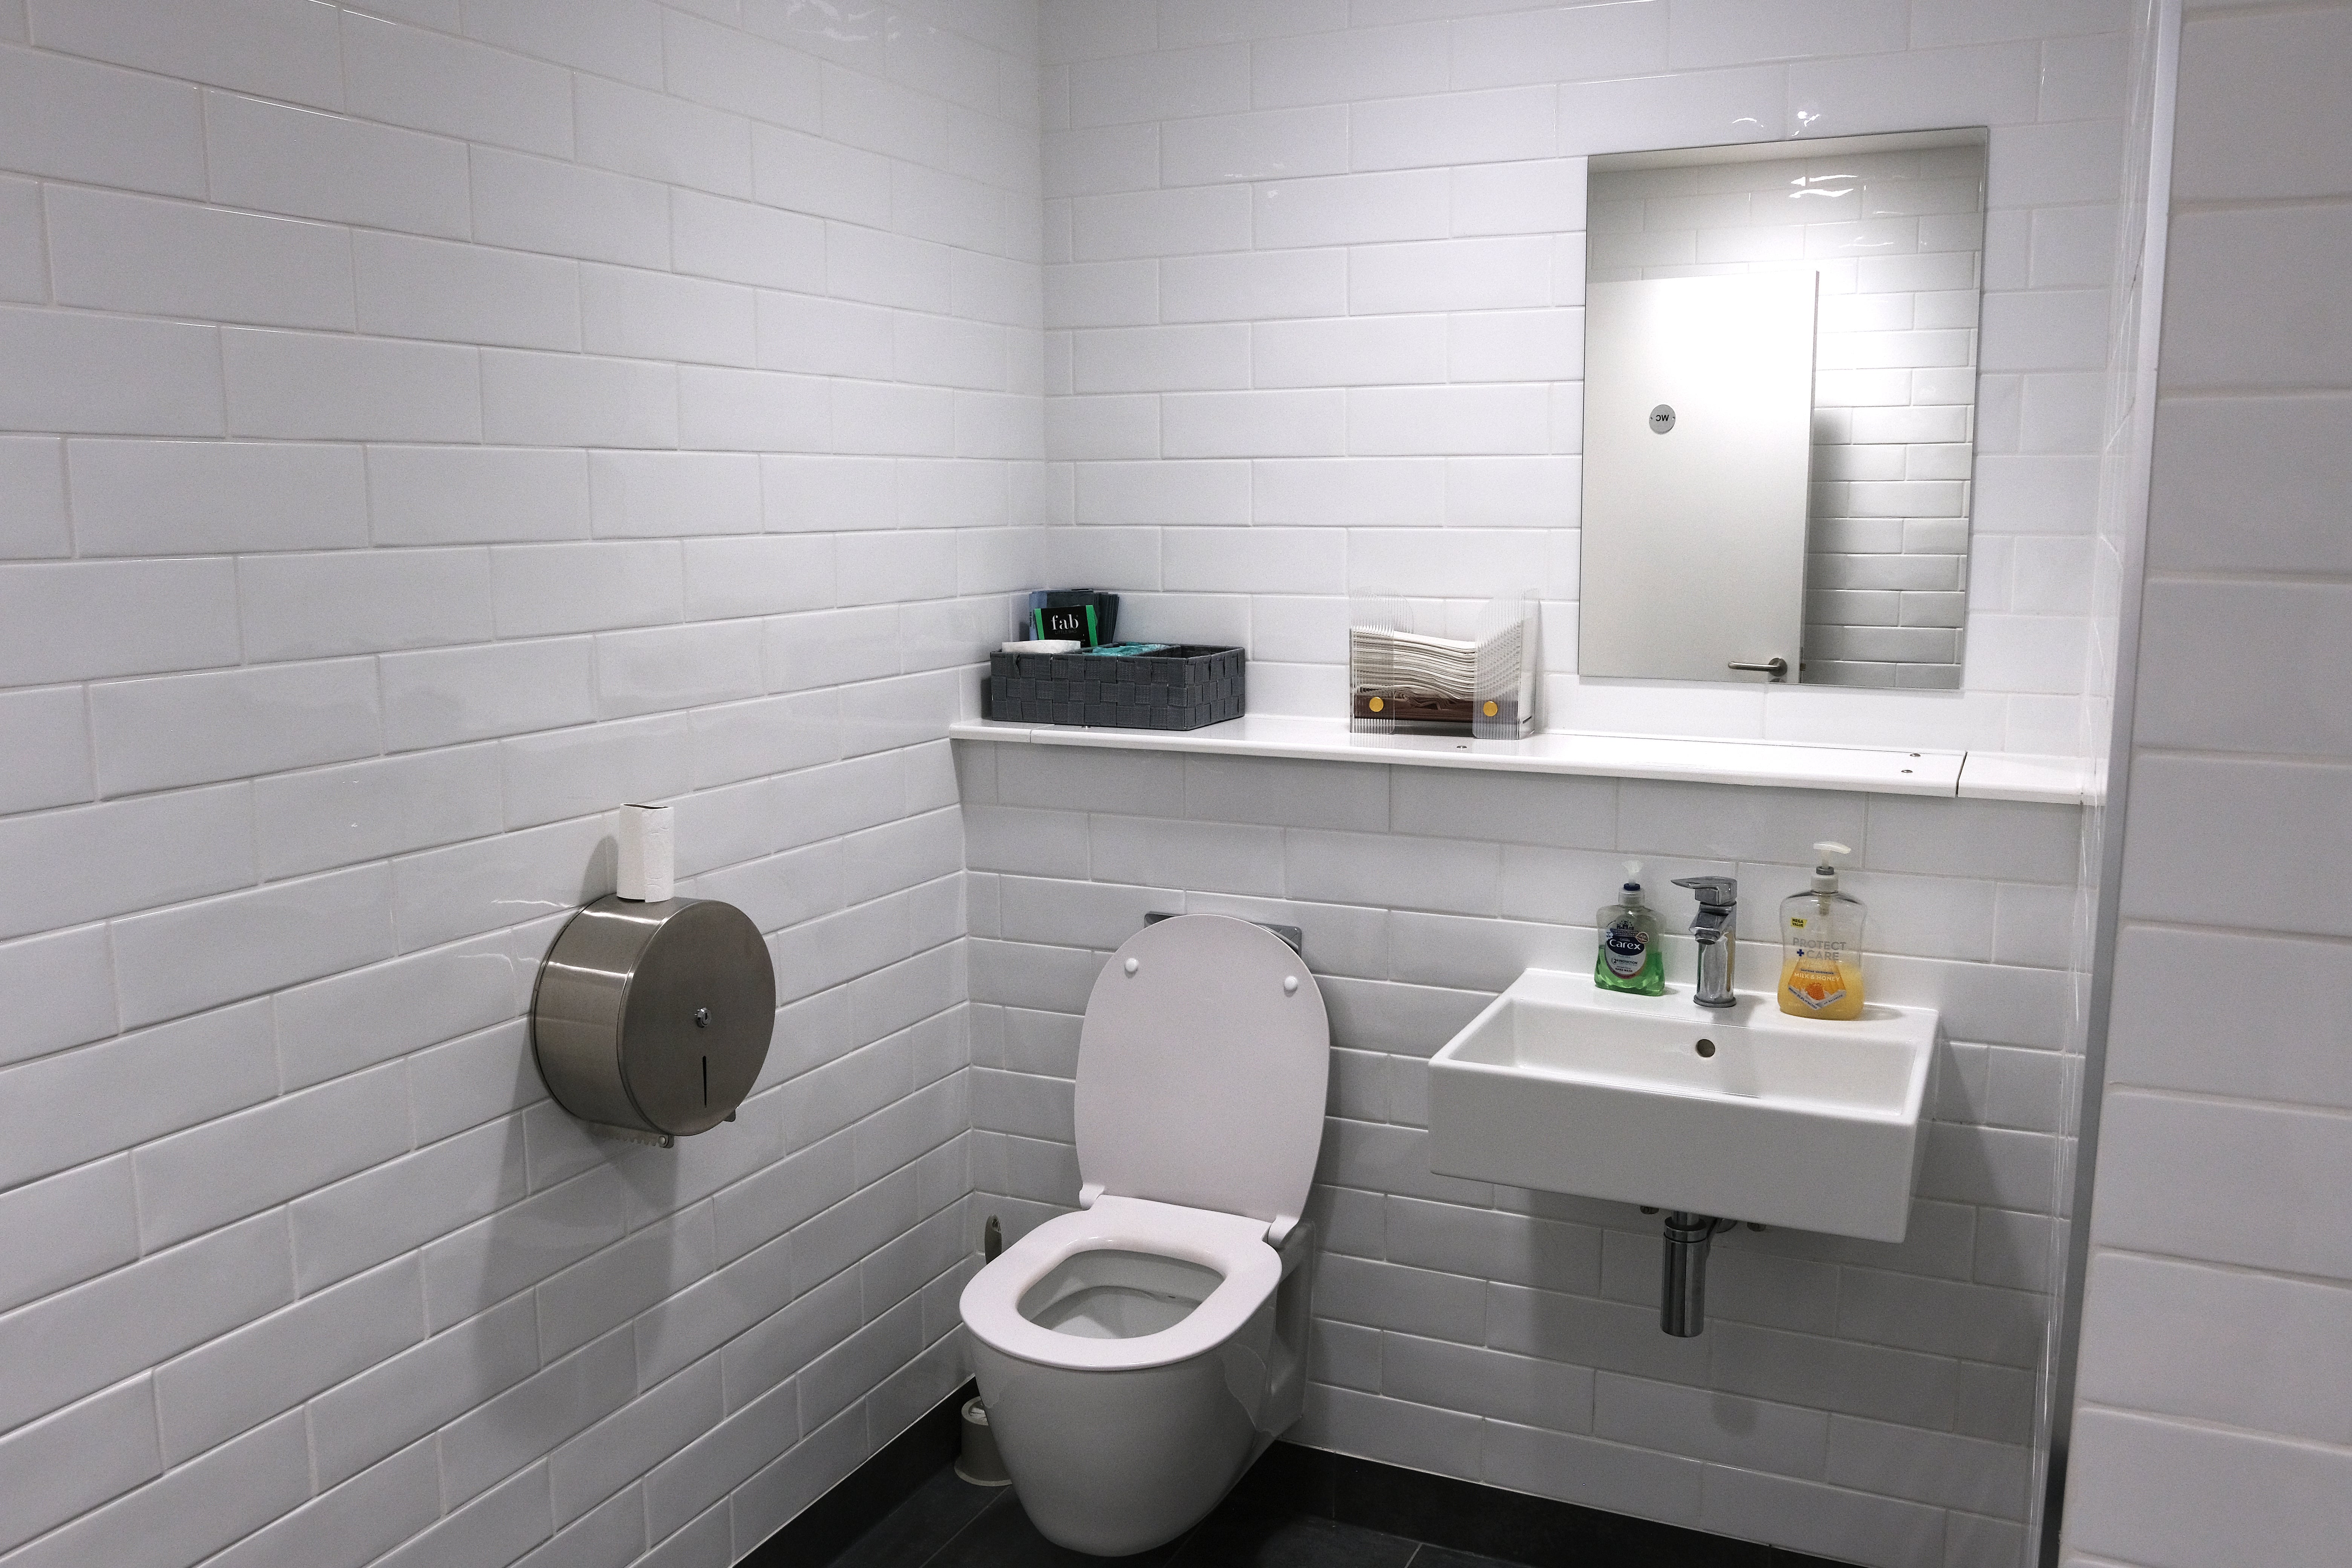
1439	1557
1263	1539
1002	1537
912	1532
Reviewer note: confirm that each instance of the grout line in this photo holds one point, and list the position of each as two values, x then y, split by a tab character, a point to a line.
965	1528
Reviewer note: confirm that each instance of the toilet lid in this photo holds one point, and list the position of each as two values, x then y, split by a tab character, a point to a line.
1200	1077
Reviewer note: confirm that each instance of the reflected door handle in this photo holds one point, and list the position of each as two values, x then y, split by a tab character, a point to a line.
1778	668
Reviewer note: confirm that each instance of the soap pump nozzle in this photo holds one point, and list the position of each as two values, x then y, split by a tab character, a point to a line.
1633	881
1825	872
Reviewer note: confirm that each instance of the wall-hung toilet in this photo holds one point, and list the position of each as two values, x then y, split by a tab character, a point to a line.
1136	1355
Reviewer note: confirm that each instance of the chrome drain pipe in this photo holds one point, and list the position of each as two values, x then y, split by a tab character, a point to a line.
1682	1303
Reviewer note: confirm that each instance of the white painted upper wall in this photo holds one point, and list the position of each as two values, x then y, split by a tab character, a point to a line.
2214	1420
1312	287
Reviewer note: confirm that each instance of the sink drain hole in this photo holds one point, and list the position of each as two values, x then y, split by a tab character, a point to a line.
1707	1047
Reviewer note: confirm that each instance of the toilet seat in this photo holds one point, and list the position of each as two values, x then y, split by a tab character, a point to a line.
1204	1064
1233	1245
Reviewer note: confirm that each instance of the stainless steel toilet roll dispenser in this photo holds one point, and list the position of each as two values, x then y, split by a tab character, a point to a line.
652	1017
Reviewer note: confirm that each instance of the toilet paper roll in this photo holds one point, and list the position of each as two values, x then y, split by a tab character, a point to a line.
649	854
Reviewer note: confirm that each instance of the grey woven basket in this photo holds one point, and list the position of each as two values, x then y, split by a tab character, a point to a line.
1182	689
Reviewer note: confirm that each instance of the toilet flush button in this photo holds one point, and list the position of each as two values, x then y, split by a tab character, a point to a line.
1133	964
1290	985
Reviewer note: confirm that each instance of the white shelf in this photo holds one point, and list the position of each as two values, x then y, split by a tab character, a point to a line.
2002	775
1774	763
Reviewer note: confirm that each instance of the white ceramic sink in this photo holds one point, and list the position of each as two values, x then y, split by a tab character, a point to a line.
1743	1112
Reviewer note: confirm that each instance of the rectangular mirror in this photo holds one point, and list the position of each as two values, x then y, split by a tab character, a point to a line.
1779	411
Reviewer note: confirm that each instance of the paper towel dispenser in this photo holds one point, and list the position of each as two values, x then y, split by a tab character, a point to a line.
651	1020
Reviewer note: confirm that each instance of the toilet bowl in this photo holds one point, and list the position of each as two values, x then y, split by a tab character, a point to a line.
1137	1355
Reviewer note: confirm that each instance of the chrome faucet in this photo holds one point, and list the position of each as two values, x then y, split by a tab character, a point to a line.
1712	928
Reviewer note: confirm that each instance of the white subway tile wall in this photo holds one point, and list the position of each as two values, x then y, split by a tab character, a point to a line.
430	428
2209	1421
427	431
1897	239
1380	209
1874	1402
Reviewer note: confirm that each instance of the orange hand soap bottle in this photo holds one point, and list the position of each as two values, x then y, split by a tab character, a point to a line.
1821	946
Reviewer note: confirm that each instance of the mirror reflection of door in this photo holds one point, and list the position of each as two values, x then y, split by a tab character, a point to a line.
1893	225
1699	405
